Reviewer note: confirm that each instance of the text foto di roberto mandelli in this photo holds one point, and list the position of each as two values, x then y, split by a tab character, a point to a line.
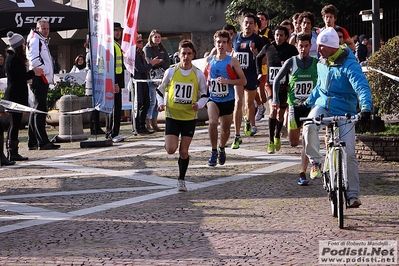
358	251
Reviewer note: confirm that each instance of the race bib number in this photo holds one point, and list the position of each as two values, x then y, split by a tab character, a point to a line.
243	58
183	93
218	90
303	89
273	71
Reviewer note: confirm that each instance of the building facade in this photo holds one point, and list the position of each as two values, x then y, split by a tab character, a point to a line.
175	19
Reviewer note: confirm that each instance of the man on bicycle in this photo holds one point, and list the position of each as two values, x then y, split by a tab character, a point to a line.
341	86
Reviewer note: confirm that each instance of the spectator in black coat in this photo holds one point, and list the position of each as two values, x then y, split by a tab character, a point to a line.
361	48
141	69
17	90
2	69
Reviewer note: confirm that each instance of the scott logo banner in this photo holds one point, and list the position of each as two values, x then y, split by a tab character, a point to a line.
22	15
20	20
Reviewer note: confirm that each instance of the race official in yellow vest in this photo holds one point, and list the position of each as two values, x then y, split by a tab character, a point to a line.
118	59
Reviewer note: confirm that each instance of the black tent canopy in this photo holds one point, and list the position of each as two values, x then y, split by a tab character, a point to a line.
21	15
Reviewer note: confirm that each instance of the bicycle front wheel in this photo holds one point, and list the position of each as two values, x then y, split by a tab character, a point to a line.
340	187
332	195
333	202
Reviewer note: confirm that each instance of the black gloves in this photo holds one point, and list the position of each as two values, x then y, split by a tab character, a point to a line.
365	116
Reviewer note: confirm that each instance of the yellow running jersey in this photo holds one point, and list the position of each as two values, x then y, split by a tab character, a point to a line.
182	92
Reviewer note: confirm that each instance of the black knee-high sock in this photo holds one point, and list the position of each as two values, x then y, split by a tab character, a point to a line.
272	127
183	165
279	126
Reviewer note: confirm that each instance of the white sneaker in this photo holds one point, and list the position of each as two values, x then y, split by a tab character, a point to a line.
260	112
181	185
117	139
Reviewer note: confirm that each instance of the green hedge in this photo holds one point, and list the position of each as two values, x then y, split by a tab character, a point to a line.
385	90
62	88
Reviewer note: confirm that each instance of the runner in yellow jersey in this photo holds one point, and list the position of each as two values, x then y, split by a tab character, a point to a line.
182	93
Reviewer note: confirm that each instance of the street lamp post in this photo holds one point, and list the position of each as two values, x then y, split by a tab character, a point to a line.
376	25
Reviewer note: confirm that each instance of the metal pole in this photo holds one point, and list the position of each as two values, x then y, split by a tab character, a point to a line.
133	95
376	25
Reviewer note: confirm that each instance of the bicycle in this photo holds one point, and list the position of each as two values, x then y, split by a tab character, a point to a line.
334	169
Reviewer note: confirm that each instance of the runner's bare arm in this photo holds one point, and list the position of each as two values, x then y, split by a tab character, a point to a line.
241	80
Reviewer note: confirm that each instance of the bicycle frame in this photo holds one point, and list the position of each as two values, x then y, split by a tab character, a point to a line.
334	171
334	145
335	179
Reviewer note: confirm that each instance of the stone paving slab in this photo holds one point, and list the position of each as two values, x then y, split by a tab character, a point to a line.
252	222
247	212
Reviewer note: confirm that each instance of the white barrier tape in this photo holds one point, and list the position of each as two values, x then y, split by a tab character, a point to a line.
19	107
77	112
385	74
147	80
143	80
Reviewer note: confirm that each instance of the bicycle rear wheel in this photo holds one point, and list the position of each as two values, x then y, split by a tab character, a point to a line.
340	188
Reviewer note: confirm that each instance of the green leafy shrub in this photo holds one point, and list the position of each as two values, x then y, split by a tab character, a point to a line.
390	130
62	88
385	90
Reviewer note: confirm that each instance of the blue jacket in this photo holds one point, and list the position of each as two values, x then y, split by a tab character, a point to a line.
341	86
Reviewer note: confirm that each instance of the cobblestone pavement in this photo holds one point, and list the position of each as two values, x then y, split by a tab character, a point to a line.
118	205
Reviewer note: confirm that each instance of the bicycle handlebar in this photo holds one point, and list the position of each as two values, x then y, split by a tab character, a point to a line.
330	119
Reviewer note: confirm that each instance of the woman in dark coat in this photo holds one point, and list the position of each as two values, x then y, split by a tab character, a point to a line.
141	69
17	91
155	49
